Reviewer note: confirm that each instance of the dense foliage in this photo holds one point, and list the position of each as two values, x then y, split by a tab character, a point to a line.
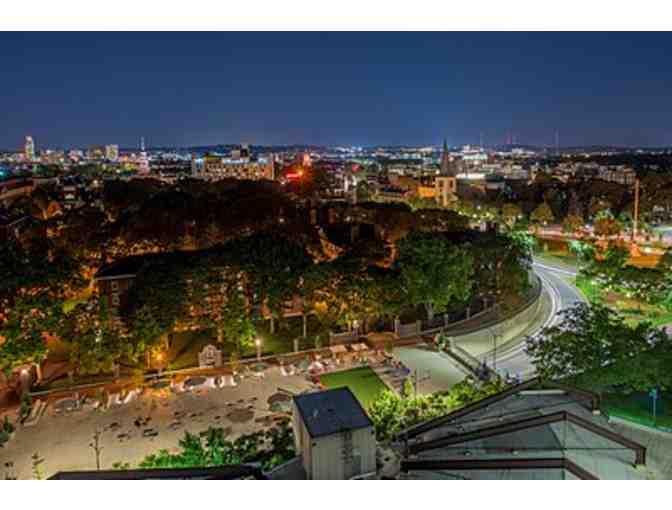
594	347
391	412
211	447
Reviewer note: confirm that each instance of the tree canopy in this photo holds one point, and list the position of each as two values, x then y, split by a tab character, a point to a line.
434	272
594	347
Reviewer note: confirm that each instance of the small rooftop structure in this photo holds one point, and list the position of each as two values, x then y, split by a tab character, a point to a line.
330	412
334	437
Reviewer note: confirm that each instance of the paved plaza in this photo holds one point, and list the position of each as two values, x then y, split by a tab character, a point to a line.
63	439
436	371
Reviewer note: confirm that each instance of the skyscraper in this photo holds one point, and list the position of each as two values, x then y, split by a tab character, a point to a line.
29	149
143	161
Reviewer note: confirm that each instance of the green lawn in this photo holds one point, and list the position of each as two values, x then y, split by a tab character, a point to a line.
363	382
637	408
72	303
588	288
634	311
187	344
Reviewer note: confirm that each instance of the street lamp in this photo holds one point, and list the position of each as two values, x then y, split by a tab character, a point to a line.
495	336
257	343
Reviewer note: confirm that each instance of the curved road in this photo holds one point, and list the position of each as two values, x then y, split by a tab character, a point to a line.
562	294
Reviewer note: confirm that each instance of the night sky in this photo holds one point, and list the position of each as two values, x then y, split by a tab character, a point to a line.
183	89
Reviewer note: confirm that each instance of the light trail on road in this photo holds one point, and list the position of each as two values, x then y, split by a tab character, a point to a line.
563	295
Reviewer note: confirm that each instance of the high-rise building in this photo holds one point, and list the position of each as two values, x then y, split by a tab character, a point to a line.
143	161
112	152
29	149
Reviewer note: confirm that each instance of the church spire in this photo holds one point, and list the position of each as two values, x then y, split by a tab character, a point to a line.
447	167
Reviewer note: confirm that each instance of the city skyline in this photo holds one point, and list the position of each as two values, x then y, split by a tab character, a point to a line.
363	89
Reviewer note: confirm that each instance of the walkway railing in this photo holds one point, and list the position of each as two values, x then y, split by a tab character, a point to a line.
450	320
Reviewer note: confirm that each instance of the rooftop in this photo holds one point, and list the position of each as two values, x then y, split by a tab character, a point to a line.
330	412
532	431
126	267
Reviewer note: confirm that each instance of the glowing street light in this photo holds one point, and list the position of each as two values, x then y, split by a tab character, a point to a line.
258	342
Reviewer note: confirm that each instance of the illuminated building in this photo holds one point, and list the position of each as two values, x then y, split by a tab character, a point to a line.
303	159
445	184
112	152
95	153
75	154
143	161
53	157
241	154
213	167
29	149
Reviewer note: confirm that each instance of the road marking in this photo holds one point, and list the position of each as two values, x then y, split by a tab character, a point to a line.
554	269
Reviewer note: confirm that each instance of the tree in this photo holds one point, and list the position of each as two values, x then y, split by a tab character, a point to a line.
95	346
342	291
434	272
542	215
599	205
235	322
391	412
572	223
511	213
610	267
594	347
585	252
362	191
211	448
605	225
146	332
524	241
273	265
29	322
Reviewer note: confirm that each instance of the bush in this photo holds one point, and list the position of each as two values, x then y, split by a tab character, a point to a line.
7	426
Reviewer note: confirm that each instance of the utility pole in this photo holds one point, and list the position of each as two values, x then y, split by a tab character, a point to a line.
495	337
417	380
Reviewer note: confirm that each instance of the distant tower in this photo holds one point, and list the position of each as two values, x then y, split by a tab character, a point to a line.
445	184
557	141
448	167
143	161
29	149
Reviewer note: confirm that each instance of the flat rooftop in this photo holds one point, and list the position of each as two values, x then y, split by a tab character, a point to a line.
331	411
